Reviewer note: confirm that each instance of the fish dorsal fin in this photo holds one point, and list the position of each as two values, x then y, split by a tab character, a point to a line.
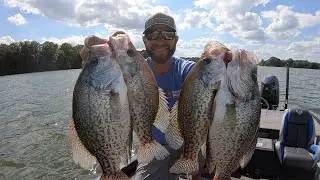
163	115
173	134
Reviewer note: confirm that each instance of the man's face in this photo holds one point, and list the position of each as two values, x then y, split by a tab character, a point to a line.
160	49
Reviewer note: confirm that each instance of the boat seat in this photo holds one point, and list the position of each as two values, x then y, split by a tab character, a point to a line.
295	147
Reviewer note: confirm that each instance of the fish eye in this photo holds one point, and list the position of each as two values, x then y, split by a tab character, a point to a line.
131	52
94	62
207	61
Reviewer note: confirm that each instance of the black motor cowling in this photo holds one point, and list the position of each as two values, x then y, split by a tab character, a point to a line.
270	92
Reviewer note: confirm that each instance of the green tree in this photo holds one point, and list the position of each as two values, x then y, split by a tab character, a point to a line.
76	58
290	62
48	56
276	62
4	63
15	59
64	57
30	51
262	62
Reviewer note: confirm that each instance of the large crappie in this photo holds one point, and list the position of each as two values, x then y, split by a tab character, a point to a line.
235	125
192	114
101	123
147	101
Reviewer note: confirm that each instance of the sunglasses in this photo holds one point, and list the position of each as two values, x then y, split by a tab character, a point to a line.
166	35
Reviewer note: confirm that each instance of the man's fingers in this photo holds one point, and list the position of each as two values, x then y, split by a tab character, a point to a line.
118	32
84	53
94	40
88	42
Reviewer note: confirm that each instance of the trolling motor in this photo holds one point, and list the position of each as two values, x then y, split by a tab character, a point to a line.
269	92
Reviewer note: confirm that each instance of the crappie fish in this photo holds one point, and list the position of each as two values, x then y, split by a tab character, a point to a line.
192	113
234	130
101	124
147	101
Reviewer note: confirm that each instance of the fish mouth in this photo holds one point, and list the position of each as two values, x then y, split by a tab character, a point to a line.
227	58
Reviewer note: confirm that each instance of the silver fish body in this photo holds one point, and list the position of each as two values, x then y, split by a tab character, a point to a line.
234	129
101	111
148	105
191	116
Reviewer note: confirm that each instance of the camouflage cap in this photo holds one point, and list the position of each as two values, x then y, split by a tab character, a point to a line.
160	18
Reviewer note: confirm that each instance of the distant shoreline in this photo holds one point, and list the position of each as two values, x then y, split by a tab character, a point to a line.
276	62
291	67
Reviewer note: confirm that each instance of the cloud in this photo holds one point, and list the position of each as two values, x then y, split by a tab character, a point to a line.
195	47
305	49
198	19
286	23
308	20
74	40
236	17
6	40
17	19
299	50
128	14
24	5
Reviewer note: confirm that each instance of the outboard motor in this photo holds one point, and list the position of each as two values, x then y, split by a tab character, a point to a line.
270	92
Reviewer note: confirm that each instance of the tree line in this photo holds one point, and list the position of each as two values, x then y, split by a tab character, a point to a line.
276	62
32	56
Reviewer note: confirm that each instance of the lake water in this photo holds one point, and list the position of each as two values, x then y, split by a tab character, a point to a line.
35	109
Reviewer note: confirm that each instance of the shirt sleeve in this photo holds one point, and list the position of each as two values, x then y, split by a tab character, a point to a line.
187	68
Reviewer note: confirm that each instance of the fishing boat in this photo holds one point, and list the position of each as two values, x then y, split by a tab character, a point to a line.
288	143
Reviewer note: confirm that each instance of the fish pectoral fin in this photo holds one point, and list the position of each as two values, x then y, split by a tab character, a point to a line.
80	155
185	166
173	135
152	150
163	115
118	175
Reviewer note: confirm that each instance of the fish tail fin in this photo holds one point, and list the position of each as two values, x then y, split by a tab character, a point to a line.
80	154
185	166
173	135
163	115
115	176
148	151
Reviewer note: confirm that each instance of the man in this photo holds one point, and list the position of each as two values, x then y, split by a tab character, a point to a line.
160	40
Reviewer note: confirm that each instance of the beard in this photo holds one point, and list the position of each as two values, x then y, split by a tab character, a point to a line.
161	59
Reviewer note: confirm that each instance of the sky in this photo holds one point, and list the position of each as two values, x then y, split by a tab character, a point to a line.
284	29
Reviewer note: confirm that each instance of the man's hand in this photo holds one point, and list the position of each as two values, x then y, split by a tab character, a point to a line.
88	42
